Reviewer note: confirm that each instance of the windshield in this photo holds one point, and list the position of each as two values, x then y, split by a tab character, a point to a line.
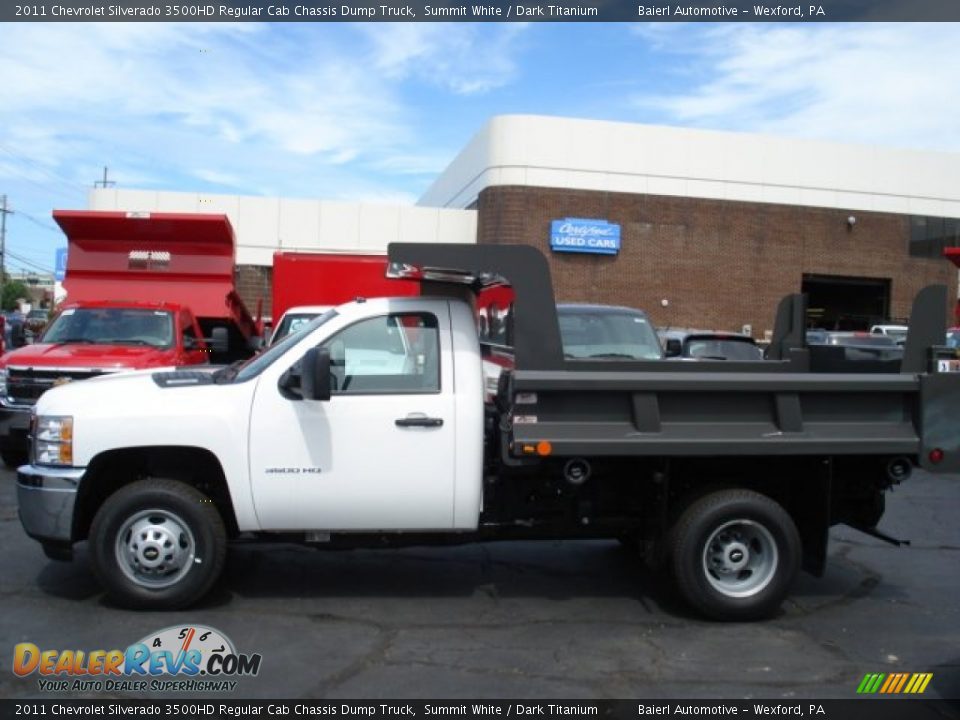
723	348
111	326
291	323
608	336
247	369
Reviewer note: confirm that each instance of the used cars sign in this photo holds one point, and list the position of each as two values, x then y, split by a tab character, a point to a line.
585	236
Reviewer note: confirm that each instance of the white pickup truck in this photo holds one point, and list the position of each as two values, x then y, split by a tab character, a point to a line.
370	425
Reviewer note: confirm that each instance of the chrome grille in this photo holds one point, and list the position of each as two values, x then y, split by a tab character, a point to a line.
26	385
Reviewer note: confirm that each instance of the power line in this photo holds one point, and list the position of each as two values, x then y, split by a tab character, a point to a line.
38	222
26	178
74	186
29	263
30	250
26	261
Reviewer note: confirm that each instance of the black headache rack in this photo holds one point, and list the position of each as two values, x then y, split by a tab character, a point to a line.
776	406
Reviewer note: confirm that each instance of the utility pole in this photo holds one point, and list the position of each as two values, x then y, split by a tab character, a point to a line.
104	183
3	237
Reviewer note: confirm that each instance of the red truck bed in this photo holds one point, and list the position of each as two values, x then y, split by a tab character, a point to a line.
301	278
154	257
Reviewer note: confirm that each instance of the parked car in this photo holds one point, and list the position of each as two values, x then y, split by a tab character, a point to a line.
295	319
607	332
588	332
897	332
867	346
14	335
817	336
953	337
34	323
709	345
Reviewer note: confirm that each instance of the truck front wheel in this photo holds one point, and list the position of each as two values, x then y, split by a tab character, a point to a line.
734	555
157	544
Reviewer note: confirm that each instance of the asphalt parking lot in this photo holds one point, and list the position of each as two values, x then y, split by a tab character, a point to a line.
527	620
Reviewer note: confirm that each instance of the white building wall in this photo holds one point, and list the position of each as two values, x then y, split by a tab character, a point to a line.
645	159
264	225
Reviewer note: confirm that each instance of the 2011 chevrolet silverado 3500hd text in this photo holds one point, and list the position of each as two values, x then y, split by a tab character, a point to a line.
369	426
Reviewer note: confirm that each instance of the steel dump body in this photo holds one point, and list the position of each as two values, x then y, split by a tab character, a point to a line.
187	259
301	278
774	407
712	413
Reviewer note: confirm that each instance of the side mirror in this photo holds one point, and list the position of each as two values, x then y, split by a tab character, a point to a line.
673	348
219	340
315	374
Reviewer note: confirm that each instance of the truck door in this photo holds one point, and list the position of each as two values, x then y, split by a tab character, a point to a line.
379	455
191	341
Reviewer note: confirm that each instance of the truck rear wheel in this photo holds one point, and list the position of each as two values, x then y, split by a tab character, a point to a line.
157	544
734	555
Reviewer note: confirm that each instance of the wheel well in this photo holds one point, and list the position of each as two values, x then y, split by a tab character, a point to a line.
110	471
801	485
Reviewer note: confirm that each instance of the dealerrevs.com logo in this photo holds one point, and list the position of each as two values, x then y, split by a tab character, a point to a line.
177	659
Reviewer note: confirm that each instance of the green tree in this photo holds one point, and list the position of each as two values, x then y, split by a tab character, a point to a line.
13	290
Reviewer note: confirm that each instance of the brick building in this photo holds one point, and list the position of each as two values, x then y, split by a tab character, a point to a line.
714	228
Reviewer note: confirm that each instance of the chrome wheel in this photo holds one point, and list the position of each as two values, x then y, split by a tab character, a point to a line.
740	558
155	548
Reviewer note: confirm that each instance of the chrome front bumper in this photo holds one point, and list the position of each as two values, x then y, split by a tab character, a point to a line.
46	497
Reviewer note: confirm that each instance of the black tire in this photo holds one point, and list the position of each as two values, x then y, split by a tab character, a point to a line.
182	512
734	555
13	457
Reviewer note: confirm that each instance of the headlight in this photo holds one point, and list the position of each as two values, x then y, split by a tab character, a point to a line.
3	382
53	440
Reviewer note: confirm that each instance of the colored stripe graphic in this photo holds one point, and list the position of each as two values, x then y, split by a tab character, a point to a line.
903	681
870	683
891	680
894	683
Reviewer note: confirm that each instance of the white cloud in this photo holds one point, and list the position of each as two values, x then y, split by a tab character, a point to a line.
467	58
295	109
864	83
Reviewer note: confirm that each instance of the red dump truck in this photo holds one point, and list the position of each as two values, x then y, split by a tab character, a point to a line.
306	284
144	290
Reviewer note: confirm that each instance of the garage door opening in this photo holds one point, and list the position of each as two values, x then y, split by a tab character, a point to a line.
835	302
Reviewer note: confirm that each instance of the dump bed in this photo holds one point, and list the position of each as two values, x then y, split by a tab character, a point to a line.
563	407
301	278
186	259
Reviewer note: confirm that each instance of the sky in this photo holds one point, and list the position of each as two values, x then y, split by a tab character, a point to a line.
373	112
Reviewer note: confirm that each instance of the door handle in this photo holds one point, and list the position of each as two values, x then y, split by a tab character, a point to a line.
416	421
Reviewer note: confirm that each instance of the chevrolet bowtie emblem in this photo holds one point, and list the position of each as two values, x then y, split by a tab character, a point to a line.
61	381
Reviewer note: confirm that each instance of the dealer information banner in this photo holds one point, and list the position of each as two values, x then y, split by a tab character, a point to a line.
520	709
484	11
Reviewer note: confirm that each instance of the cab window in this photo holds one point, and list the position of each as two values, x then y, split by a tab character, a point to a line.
396	353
